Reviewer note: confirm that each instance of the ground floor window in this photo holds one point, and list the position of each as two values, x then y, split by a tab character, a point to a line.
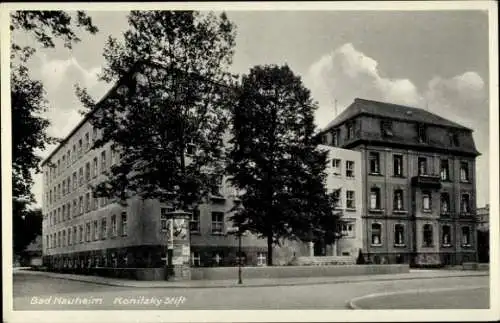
217	258
427	235
446	236
261	258
195	259
399	235
466	236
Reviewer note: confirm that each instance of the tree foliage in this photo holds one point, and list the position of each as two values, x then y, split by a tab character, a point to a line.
28	103
274	158
172	94
29	127
26	227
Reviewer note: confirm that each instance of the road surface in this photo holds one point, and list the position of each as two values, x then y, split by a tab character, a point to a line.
34	292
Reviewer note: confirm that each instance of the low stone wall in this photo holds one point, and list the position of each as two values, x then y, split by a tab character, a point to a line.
126	273
295	271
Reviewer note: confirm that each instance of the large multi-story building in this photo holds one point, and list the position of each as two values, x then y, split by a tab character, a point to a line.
418	174
80	231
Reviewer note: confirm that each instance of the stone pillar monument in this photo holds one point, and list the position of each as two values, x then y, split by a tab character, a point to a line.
178	246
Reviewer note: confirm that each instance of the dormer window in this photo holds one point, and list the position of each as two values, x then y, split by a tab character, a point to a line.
335	137
350	130
453	136
422	133
386	128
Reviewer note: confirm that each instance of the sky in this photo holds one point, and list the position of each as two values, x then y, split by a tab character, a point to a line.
437	60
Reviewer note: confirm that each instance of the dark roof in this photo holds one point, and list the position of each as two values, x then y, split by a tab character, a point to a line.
393	111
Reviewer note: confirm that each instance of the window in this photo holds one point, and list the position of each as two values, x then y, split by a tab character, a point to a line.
94	135
465	203
103	228
87	232
87	172
374	160
64	187
87	202
427	235
335	137
75	183
75	240
58	167
426	201
453	136
163	217
445	170
446	236
95	167
87	141
68	182
376	234
347	230
80	205
350	202
422	166
261	258
445	203
68	158
336	166
96	230
350	130
124	223
218	181
397	162
63	242
466	236
64	212
80	146
422	133
81	234
75	208
194	224
195	259
375	198
349	168
464	172
217	259
113	226
398	200
386	128
59	238
217	222
336	196
103	161
399	235
80	176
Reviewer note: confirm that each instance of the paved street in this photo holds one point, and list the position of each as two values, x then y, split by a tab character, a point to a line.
58	293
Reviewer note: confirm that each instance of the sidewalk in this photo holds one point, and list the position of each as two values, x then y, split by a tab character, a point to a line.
258	282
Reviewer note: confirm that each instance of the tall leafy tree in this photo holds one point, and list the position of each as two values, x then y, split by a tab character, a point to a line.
274	159
28	101
167	114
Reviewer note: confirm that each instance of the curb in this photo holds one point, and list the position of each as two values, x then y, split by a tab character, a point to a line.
353	306
296	283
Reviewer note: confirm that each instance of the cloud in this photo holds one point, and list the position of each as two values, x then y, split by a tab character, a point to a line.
346	73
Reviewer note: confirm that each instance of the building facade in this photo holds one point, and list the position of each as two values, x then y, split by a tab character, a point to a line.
344	181
81	232
418	174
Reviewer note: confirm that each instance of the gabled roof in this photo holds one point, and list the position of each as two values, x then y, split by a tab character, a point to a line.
392	111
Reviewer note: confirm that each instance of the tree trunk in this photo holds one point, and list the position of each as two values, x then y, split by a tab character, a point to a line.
270	250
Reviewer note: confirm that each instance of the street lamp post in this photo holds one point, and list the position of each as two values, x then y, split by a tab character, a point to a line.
240	281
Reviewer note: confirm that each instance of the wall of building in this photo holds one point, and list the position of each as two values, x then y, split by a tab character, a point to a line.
337	179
